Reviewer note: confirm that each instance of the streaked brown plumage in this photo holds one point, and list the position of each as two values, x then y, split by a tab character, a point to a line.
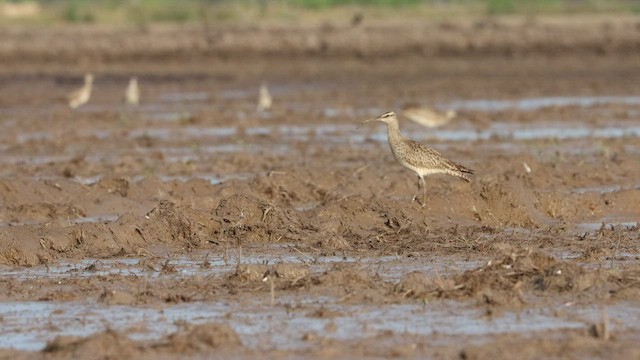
417	157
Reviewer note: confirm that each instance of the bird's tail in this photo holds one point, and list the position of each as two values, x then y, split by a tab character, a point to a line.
463	172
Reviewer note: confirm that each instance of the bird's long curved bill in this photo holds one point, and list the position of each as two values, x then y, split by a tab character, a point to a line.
366	121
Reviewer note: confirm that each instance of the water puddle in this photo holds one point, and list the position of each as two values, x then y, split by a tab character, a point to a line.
591	227
390	268
185	96
238	94
507	132
531	104
29	325
605	189
169	116
94	219
214	179
182	133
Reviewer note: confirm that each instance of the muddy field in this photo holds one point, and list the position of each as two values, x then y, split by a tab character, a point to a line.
192	225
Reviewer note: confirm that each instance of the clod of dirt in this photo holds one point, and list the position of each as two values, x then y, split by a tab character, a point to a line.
258	272
291	271
203	338
505	281
417	284
250	219
118	186
109	345
117	297
351	284
250	272
519	272
173	223
509	202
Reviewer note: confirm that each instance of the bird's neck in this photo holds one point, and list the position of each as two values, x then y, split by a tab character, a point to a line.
393	129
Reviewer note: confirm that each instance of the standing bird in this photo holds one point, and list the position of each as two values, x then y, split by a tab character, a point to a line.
264	99
427	116
132	94
82	95
417	157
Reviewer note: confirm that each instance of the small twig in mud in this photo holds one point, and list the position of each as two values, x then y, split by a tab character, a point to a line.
295	281
205	262
407	224
345	297
225	256
275	172
167	267
606	334
238	256
268	276
360	169
615	250
407	293
142	250
265	212
93	266
602	330
303	254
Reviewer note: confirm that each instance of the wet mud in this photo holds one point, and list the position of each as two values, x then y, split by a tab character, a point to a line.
193	225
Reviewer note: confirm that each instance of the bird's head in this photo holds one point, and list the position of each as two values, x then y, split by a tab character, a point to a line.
88	78
387	117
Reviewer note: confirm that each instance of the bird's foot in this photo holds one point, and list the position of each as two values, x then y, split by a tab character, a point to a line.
422	202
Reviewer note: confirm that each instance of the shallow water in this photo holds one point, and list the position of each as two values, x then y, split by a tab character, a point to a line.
29	325
607	223
388	267
536	103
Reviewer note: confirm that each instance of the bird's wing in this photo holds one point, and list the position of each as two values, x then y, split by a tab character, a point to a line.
432	158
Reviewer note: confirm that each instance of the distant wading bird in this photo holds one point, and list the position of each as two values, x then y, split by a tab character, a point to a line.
428	117
82	95
132	94
264	99
417	157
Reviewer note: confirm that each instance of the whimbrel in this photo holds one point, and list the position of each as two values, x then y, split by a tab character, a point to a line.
82	95
417	157
264	99
427	116
132	94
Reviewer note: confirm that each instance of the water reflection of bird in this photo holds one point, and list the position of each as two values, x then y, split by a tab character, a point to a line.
81	96
427	116
132	93
417	157
264	99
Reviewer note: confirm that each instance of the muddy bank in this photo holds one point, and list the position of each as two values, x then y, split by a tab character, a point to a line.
492	36
54	219
194	224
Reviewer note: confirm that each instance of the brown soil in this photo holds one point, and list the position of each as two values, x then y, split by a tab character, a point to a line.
195	173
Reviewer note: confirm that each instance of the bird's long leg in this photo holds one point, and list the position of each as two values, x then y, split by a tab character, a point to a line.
415	196
424	191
